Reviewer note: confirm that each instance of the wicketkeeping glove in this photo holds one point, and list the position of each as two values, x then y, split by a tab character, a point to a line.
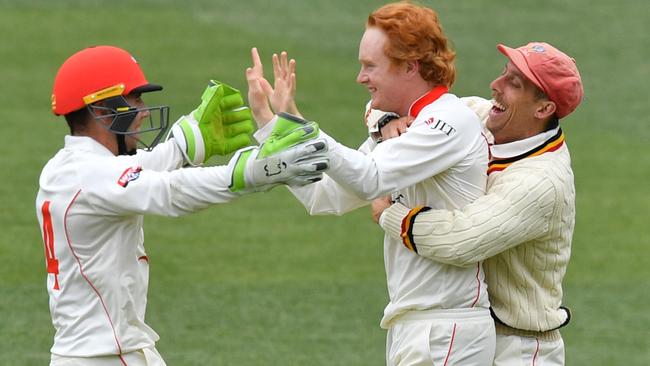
292	155
220	125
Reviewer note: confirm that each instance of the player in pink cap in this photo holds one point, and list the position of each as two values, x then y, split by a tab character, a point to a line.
522	228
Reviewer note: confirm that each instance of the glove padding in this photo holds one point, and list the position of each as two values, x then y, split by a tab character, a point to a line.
291	155
220	125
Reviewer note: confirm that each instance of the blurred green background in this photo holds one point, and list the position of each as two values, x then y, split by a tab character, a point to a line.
257	281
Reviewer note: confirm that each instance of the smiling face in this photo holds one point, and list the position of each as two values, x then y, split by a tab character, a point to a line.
384	80
519	111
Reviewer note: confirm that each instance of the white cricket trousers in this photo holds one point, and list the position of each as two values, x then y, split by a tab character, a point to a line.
514	350
142	357
441	338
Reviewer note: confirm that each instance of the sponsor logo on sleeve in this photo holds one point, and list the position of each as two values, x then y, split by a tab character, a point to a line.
129	175
438	124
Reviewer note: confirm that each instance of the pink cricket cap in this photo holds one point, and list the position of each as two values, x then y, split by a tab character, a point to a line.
555	73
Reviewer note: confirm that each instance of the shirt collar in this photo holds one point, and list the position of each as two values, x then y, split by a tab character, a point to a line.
85	143
516	148
427	99
535	148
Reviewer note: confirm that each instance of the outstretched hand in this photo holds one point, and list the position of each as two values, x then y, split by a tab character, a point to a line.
284	79
258	91
266	100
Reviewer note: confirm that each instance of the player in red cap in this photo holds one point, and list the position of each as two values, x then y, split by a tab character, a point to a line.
522	227
94	191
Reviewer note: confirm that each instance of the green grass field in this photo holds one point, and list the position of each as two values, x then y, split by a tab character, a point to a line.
257	281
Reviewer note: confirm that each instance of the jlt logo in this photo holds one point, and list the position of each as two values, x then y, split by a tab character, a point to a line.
437	124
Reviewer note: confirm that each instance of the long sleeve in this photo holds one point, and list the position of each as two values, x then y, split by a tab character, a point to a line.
517	208
122	187
164	157
328	197
422	152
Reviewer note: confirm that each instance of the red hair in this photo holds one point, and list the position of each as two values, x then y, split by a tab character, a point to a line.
415	34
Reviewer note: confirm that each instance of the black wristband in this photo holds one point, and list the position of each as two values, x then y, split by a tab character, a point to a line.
383	121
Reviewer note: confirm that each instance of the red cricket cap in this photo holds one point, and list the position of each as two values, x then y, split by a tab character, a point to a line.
555	73
96	73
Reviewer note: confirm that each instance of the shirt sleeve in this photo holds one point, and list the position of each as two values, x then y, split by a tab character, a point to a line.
421	152
123	186
164	157
327	198
515	210
480	106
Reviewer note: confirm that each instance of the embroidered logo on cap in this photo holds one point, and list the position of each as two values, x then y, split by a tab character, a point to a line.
538	48
129	175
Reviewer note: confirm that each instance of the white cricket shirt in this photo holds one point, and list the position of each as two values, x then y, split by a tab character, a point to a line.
441	162
90	206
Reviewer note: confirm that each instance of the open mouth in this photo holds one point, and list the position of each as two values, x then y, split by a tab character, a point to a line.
497	107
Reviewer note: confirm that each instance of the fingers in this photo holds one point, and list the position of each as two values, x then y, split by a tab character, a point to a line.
312	147
316	146
267	89
259	103
250	75
284	63
231	101
409	120
257	69
394	129
277	69
298	135
236	115
292	80
283	68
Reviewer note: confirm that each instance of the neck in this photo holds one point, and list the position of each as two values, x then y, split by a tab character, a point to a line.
414	91
101	135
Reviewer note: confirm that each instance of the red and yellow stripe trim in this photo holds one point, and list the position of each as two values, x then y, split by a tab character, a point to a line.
551	144
407	227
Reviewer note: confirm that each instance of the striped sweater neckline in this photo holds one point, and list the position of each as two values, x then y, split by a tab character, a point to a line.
552	144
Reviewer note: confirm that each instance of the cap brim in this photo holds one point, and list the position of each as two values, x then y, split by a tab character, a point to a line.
519	61
146	88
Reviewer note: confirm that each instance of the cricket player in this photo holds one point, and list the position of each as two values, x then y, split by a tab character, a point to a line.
94	192
522	227
438	313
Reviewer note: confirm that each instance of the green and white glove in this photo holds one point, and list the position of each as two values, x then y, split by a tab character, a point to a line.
220	125
292	155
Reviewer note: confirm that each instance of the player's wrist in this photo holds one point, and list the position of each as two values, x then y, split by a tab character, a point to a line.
385	119
189	139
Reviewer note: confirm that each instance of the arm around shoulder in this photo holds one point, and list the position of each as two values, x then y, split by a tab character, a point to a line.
516	209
